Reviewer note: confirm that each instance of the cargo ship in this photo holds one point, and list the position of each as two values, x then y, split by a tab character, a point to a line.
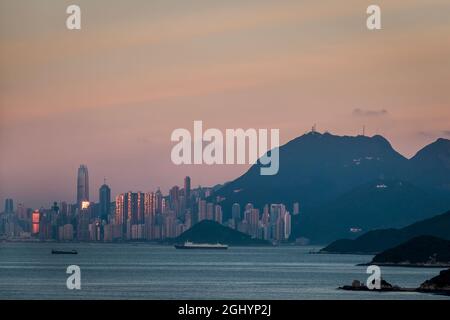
191	245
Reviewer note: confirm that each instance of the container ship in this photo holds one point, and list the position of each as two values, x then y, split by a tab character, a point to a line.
191	245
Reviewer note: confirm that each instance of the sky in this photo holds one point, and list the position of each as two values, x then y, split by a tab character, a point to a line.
110	95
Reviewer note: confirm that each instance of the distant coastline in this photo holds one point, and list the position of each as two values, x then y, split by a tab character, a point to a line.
407	265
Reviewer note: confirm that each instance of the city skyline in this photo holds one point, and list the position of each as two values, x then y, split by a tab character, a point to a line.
102	196
140	216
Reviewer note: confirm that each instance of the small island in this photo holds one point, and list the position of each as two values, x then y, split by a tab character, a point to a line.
376	241
384	286
437	285
208	231
422	251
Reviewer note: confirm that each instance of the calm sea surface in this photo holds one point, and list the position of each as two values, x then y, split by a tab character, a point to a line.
145	271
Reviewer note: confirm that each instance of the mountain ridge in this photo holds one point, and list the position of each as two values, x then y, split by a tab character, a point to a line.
424	250
376	241
318	169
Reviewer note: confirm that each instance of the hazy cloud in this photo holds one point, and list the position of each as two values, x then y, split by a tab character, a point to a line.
434	134
369	113
425	134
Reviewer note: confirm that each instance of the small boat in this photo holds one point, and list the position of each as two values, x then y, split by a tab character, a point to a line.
191	245
64	251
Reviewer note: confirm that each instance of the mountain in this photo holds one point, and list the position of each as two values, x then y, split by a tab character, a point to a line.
418	251
208	231
316	167
432	165
333	179
380	240
374	205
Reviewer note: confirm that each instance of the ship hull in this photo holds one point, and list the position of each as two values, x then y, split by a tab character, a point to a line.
64	252
199	247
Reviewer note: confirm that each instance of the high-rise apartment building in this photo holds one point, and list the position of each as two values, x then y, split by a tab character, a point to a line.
202	210
121	211
218	213
9	206
159	201
210	211
174	199
187	192
35	220
105	201
236	212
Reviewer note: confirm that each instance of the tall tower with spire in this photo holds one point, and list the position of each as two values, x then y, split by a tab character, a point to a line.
82	185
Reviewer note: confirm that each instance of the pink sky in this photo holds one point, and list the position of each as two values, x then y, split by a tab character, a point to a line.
110	94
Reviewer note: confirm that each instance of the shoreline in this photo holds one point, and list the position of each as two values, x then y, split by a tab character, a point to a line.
156	243
406	265
394	289
349	253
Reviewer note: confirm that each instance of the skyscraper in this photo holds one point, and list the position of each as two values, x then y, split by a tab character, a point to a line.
35	220
9	206
253	221
83	222
158	201
82	185
201	210
277	210
135	209
187	191
105	201
121	211
210	211
174	198
149	204
22	212
130	209
218	213
236	212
